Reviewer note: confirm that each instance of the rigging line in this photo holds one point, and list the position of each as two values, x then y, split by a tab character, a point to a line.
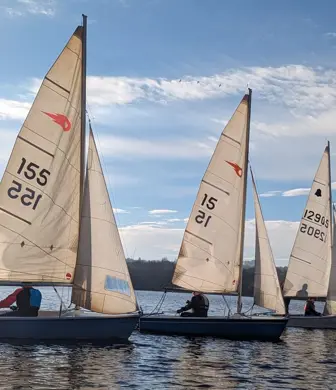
60	298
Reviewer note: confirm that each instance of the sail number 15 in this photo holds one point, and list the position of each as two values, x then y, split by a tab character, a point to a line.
210	204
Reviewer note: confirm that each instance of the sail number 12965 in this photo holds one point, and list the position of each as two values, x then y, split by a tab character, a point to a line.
316	219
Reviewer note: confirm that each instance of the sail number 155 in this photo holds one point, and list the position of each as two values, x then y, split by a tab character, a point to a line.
30	171
210	204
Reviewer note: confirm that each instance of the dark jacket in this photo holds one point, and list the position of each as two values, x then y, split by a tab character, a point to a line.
199	305
310	309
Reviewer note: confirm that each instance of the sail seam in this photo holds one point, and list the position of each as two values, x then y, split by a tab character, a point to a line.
318	182
298	258
35	146
106	269
57	85
15	216
232	139
200	238
99	219
218	188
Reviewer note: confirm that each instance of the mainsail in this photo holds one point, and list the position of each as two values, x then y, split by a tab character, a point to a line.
310	260
40	188
330	306
209	258
102	282
267	291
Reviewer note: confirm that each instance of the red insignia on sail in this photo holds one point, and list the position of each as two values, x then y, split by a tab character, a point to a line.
236	167
60	119
68	275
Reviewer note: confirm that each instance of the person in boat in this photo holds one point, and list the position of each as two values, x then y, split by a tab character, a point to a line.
286	299
28	302
199	305
310	308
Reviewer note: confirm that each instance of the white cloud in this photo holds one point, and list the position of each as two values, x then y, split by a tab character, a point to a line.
154	223
296	192
292	193
163	211
330	34
152	241
12	12
304	89
172	220
15	8
269	194
121	211
12	109
129	147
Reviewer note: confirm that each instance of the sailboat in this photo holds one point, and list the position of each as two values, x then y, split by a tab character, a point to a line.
211	254
57	226
313	258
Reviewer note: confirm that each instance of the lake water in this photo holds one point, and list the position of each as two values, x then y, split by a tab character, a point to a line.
304	359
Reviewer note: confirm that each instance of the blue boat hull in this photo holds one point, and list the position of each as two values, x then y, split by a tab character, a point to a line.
242	328
48	326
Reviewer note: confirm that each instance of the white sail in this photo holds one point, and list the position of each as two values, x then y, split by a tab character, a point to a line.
209	258
102	282
39	191
330	306
310	260
267	291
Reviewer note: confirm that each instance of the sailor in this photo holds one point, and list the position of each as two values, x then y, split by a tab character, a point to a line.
286	299
310	308
28	302
199	305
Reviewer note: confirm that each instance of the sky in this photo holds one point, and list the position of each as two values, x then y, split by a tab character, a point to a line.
155	133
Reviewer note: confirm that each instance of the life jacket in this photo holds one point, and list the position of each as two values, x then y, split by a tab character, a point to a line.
204	302
28	298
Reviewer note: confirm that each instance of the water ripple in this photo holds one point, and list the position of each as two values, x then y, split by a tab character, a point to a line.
304	359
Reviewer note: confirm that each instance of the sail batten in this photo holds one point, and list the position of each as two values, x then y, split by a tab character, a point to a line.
102	282
267	291
39	191
209	261
310	261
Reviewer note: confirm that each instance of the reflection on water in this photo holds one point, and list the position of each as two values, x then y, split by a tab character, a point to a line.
304	359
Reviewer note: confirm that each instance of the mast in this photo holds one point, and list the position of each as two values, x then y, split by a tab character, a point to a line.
241	250
330	203
83	129
83	112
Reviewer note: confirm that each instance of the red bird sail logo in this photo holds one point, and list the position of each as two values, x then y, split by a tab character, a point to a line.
60	119
236	167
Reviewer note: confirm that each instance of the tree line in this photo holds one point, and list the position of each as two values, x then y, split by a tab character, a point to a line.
156	275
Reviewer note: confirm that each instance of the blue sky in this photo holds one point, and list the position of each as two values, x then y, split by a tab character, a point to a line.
156	135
